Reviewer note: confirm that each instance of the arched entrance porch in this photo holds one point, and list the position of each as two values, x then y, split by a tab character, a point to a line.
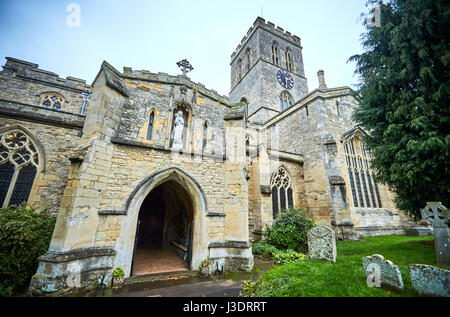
164	233
187	190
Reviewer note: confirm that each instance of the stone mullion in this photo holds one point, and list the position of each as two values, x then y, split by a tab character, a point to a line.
12	184
364	182
278	200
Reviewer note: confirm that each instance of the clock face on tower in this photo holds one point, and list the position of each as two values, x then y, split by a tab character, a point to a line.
285	79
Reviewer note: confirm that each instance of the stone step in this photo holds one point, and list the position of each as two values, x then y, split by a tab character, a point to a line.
159	280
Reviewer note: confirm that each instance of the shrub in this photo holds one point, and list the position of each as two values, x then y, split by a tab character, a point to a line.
204	263
287	256
118	272
289	230
264	249
248	289
24	236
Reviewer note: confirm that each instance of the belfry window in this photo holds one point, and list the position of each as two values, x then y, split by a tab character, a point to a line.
288	60
19	162
285	100
205	136
282	193
151	119
365	192
52	101
247	60
239	70
275	53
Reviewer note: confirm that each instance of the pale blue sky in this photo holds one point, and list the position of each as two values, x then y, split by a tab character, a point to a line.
154	35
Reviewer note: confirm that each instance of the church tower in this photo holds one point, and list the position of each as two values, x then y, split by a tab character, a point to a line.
267	71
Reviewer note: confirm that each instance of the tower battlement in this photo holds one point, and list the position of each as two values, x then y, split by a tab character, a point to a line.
260	22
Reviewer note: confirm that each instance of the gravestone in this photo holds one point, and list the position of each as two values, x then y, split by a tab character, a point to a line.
429	280
438	216
384	271
322	244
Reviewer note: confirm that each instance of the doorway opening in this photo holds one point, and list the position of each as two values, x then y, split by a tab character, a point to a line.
164	231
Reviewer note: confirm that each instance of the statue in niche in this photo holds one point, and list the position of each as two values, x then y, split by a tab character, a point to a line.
178	130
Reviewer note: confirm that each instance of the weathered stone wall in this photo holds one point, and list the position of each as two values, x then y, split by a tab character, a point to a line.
51	180
146	97
132	164
259	39
259	85
300	132
21	86
24	82
314	128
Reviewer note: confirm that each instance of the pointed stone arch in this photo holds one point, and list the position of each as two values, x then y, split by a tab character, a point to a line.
22	161
37	143
353	132
192	190
282	190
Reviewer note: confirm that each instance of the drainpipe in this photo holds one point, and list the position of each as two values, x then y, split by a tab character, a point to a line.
86	95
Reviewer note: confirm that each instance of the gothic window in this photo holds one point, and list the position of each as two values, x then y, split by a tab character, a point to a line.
205	136
282	193
247	60
239	70
363	185
275	53
52	101
288	60
19	162
285	100
151	119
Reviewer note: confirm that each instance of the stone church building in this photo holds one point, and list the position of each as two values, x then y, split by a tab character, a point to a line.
140	161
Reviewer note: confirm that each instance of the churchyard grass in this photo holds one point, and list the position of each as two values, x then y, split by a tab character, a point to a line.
346	277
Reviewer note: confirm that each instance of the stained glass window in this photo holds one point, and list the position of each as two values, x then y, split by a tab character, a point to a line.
282	192
52	101
19	161
362	181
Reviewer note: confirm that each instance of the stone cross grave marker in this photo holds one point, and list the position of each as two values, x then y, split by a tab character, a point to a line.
438	216
322	244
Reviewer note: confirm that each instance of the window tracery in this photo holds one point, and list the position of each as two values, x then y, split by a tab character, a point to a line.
52	101
19	161
282	192
365	190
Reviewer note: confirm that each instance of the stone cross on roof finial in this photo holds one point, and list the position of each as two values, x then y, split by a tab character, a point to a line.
185	66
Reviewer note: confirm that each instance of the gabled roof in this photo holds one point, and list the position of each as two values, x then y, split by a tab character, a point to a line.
112	78
309	98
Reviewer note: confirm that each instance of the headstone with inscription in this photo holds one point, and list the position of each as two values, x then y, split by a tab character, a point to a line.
322	244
